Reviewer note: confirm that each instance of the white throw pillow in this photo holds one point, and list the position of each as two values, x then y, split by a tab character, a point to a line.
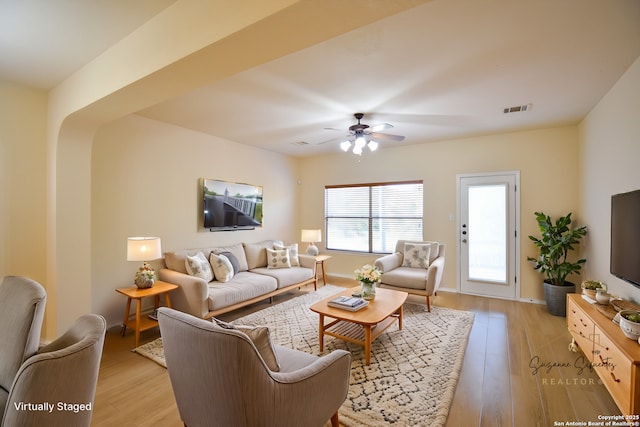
198	266
293	253
416	255
278	258
222	267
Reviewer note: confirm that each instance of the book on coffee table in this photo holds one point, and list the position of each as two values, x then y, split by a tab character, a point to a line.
348	303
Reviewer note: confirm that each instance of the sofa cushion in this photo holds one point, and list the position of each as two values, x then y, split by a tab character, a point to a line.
242	287
293	253
278	258
222	267
260	337
286	276
199	266
416	255
238	251
407	277
256	253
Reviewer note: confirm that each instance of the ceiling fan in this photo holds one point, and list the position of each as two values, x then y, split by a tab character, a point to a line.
361	135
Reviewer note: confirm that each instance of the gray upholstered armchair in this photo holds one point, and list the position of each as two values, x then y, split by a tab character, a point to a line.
22	302
219	378
64	374
405	270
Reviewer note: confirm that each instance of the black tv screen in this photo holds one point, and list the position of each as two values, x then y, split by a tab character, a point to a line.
231	205
625	236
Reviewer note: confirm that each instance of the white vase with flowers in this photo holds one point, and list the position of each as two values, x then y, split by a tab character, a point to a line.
368	276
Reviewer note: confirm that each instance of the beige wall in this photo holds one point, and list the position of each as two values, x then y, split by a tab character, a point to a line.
548	183
145	180
610	137
22	181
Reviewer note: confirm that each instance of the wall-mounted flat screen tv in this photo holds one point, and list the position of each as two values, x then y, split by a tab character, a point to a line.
231	205
625	236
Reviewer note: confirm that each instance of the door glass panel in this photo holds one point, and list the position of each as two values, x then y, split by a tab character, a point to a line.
487	233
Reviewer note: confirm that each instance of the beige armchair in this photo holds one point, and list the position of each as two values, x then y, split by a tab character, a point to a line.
22	304
414	280
63	374
220	379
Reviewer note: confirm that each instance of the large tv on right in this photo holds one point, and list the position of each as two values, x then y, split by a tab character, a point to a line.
625	236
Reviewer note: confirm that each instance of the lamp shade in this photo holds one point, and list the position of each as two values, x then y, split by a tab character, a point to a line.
143	248
311	236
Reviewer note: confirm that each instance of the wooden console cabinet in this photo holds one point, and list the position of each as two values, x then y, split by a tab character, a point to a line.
616	359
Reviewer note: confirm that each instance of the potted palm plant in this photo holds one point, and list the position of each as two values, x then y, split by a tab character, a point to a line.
557	241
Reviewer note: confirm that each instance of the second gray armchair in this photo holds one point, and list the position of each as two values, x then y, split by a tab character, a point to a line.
22	303
400	273
63	374
219	378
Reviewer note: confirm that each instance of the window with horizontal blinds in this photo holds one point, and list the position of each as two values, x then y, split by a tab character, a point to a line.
372	217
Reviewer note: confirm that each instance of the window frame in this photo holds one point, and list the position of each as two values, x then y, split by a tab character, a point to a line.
370	218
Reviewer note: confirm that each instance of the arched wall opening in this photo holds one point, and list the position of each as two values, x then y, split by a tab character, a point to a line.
185	47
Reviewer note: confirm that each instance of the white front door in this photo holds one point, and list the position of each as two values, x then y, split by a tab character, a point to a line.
488	242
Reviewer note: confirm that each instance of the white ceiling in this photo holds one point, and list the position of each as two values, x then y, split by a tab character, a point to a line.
42	42
442	70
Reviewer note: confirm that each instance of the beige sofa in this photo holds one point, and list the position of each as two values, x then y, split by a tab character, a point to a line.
254	278
424	280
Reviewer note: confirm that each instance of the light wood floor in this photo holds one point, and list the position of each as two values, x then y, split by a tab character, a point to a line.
497	386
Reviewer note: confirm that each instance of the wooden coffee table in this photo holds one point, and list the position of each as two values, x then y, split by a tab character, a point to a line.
363	326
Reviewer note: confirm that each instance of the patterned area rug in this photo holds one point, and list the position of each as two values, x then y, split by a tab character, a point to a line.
413	372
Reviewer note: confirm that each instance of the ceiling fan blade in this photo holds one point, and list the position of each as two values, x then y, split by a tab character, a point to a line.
386	137
381	126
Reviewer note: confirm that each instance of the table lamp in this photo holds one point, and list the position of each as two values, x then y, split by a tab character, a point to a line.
144	249
311	237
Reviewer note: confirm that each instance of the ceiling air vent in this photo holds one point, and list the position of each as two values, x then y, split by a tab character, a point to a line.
517	109
302	143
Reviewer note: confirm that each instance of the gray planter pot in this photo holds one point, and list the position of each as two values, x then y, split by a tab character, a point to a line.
556	297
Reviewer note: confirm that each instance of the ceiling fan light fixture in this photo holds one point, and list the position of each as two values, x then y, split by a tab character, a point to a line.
361	135
345	145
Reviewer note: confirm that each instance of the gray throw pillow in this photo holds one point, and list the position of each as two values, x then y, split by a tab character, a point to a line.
233	260
259	336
